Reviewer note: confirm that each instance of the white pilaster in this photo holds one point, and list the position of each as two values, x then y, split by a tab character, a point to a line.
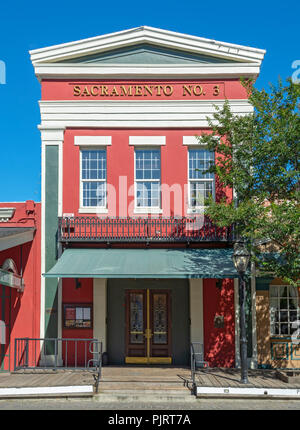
99	308
196	310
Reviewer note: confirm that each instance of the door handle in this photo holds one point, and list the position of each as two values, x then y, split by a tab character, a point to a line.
148	334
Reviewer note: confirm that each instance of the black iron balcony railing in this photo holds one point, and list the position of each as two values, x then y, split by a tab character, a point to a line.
186	229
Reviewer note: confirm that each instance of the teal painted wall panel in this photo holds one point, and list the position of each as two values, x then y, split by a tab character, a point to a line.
147	54
262	284
51	211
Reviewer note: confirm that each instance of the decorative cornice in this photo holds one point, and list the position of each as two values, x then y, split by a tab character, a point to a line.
143	71
52	135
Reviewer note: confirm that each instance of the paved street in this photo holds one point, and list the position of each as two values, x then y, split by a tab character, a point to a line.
200	404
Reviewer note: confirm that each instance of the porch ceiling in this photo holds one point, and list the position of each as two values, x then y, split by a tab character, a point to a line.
14	236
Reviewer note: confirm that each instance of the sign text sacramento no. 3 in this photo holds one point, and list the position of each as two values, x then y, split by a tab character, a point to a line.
206	90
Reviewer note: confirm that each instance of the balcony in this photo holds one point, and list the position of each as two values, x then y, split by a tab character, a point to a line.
138	230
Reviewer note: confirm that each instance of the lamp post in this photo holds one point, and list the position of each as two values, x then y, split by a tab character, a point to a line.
241	259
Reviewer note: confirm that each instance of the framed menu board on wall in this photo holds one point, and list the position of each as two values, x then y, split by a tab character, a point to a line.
78	315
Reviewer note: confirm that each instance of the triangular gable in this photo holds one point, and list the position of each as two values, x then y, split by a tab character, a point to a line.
150	43
146	54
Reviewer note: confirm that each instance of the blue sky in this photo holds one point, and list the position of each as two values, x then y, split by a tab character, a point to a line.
270	25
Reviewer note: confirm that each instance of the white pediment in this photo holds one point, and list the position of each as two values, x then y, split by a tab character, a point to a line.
146	53
151	36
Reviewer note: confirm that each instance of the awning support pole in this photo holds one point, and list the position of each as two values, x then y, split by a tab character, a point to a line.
243	334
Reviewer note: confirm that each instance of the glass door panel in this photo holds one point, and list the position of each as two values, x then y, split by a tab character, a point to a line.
160	325
148	326
160	319
136	304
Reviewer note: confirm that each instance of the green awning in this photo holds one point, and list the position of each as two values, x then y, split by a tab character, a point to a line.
144	263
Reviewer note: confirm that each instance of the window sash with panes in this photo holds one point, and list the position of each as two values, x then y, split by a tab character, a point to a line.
284	309
201	185
93	178
147	178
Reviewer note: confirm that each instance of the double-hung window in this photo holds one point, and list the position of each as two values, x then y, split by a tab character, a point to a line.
201	185
147	179
93	178
284	309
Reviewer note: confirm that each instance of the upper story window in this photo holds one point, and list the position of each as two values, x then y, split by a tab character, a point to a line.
201	185
284	309
93	178
147	179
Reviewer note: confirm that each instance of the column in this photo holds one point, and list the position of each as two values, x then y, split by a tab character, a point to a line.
99	309
196	310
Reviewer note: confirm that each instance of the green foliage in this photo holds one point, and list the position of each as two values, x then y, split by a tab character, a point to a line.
258	155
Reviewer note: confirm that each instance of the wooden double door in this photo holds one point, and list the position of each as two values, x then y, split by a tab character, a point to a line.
148	326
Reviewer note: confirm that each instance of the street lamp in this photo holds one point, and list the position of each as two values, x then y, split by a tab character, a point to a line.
241	259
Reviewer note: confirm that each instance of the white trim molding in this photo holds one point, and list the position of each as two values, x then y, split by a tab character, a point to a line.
134	114
190	141
51	135
143	71
6	214
147	140
193	141
93	210
70	390
252	392
92	140
147	211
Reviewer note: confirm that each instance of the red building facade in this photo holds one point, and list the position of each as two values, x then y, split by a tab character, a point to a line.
20	276
126	254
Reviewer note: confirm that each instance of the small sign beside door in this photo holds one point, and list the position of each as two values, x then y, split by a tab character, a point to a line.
78	315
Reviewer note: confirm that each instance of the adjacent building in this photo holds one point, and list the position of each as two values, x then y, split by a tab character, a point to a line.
20	276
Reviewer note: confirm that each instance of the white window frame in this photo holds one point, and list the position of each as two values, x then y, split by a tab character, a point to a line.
91	209
200	208
273	321
146	209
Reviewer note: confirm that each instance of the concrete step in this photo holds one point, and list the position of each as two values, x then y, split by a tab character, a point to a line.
145	385
144	396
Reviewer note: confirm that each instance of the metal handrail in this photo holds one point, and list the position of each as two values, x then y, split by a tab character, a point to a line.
97	361
154	229
68	354
194	361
